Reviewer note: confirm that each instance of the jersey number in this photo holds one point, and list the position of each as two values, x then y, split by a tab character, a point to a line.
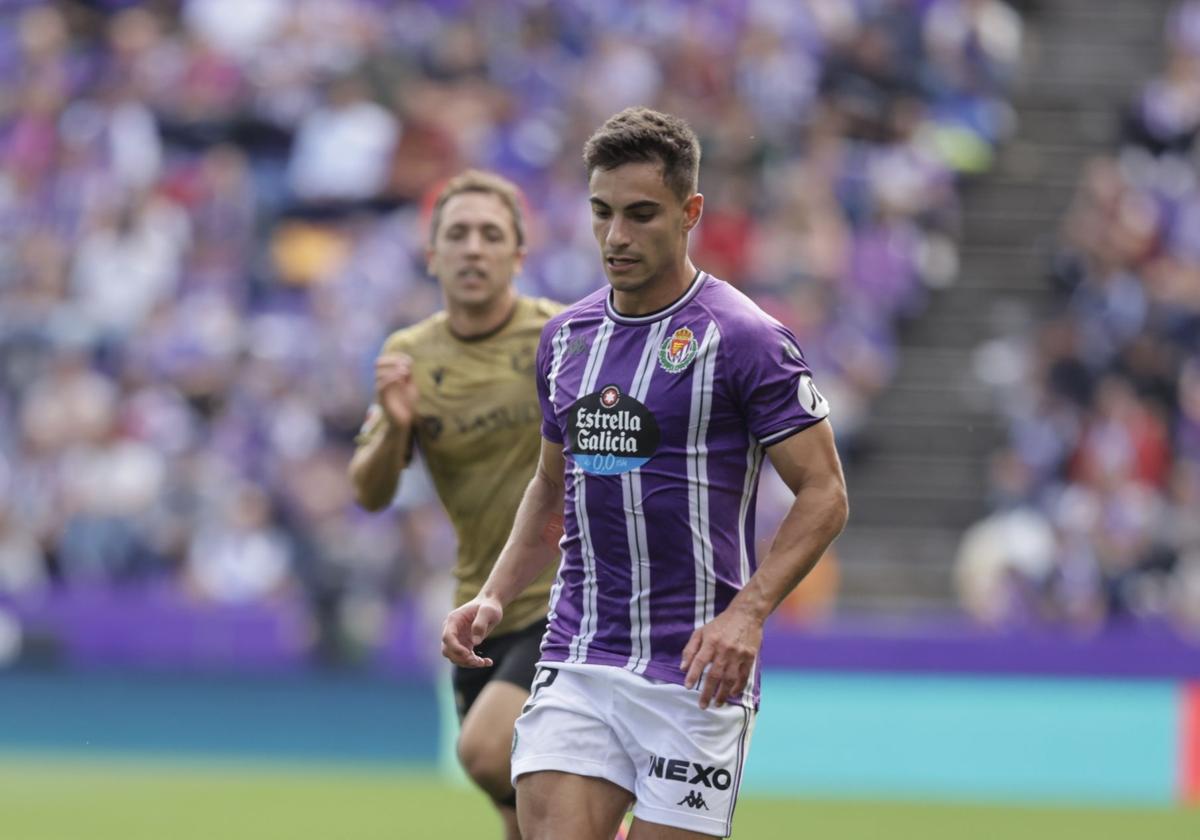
543	678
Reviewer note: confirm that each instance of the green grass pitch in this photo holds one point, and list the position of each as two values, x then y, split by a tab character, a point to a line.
60	799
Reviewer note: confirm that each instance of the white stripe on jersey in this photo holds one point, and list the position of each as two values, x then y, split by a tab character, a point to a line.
754	456
560	350
588	618
775	437
704	370
635	518
555	592
754	459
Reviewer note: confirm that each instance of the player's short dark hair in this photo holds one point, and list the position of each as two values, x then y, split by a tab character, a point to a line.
640	135
478	181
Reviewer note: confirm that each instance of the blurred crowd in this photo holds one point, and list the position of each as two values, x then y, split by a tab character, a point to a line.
212	213
1097	495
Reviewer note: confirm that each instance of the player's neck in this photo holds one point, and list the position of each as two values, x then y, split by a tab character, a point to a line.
657	293
470	323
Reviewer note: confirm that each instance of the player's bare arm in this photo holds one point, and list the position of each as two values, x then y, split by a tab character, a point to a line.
376	466
531	547
808	463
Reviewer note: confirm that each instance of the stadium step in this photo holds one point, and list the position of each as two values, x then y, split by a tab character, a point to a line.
974	437
961	321
1113	18
944	367
929	438
1069	123
918	505
1031	161
876	563
1012	228
942	472
1015	267
962	332
1087	62
1007	195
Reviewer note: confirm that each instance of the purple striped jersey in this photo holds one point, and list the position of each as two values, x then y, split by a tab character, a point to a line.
663	420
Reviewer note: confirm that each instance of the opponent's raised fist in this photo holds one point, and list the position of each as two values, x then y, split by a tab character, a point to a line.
395	390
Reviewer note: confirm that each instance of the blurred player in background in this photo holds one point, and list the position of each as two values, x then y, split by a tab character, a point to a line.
460	386
659	398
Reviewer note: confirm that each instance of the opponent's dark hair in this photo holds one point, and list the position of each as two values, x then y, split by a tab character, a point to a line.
640	135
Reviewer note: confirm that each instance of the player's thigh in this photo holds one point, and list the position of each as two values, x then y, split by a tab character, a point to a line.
690	759
642	830
552	805
488	727
566	727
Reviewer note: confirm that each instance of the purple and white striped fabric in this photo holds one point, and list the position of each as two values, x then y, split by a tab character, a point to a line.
663	419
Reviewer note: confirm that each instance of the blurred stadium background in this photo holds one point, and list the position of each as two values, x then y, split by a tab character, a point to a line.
981	217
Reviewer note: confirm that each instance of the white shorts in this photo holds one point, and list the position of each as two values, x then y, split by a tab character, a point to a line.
682	764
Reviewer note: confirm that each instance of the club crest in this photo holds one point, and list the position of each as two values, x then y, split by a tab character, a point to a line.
677	351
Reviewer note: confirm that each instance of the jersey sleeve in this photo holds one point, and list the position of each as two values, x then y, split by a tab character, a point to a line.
371	426
548	308
778	394
546	360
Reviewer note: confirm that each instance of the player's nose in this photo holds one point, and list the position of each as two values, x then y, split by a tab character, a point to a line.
474	242
618	235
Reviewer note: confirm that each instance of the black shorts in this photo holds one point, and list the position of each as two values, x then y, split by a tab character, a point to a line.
515	656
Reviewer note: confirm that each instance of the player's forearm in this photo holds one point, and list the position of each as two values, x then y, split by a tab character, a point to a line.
376	466
815	519
532	545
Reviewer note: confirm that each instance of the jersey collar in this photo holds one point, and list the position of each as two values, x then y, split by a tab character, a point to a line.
658	314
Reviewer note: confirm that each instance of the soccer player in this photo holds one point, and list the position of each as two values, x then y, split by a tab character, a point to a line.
660	397
460	386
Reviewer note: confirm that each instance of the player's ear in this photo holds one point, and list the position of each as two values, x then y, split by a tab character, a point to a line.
430	257
519	262
693	209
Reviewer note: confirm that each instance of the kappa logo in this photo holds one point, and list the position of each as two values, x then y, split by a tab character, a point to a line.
694	800
438	374
692	772
677	351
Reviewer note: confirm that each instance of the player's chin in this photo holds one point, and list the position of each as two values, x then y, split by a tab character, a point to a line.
475	296
626	281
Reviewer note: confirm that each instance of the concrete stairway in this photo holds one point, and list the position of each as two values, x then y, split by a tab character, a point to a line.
925	476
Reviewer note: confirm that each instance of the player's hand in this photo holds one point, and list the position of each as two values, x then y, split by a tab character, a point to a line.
466	627
727	646
395	390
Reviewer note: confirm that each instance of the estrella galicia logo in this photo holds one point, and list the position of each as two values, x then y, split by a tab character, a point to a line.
611	433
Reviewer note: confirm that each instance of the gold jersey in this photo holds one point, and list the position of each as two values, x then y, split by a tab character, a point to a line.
479	429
